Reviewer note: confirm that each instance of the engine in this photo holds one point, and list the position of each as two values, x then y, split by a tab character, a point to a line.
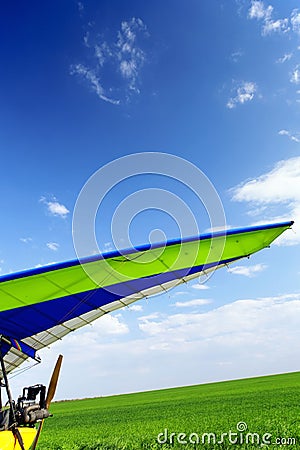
28	409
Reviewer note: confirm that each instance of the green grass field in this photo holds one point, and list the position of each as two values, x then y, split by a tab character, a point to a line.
133	421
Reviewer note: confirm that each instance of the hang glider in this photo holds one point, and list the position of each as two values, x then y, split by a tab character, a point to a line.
42	305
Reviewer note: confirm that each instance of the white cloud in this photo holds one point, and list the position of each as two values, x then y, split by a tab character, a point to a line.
284	58
295	137
135	308
99	53
190	303
131	56
124	57
128	68
80	6
26	240
107	247
257	211
259	11
283	133
86	39
280	186
273	26
247	271
235	56
241	339
295	20
244	93
53	246
94	81
109	325
200	286
295	76
228	321
152	316
55	208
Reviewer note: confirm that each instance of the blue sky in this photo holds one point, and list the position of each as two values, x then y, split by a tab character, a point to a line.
217	83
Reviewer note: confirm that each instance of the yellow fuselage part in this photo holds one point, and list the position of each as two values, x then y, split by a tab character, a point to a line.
9	442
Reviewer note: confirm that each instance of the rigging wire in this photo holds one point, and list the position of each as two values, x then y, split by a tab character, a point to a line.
18	372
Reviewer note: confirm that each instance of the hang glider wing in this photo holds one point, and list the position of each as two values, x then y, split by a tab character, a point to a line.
42	305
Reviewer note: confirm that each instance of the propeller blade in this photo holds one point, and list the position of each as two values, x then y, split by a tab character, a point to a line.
53	381
50	395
